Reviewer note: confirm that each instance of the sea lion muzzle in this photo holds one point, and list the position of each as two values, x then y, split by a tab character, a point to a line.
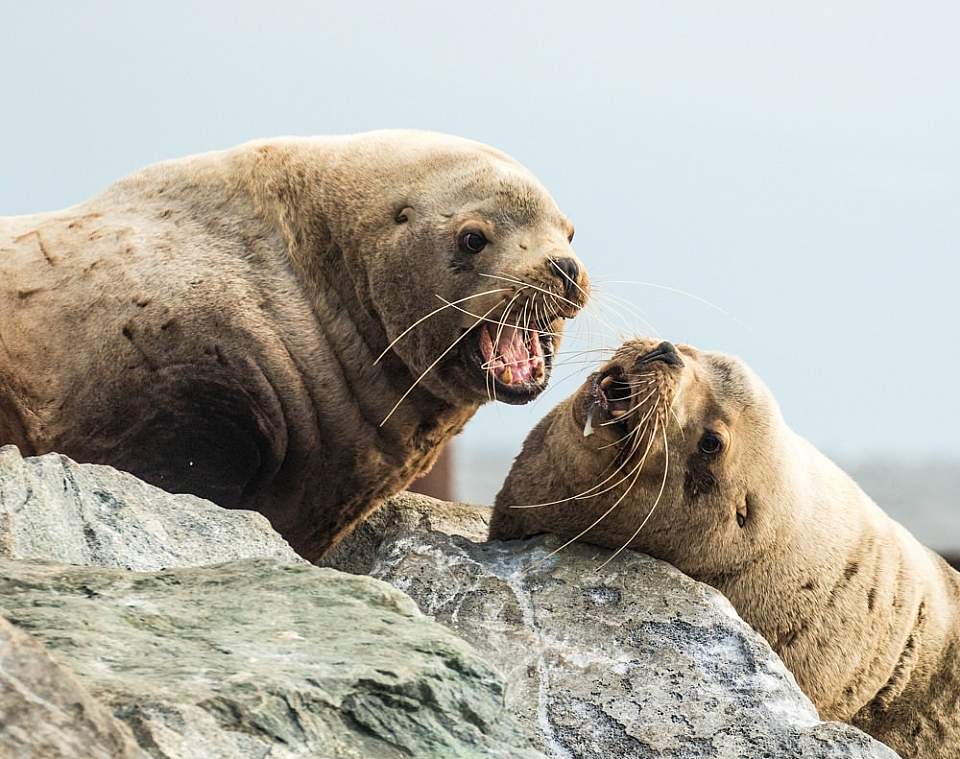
569	271
665	352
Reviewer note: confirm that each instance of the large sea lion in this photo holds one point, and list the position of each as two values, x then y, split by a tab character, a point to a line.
684	454
243	325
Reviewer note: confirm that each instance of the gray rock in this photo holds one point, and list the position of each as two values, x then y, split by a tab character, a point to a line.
259	658
406	513
636	661
54	509
46	714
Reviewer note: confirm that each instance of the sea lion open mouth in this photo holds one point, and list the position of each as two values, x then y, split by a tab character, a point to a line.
512	363
327	371
613	393
613	401
623	393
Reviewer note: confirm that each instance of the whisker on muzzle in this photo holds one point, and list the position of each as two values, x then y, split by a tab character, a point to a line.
576	306
635	474
434	313
436	361
663	484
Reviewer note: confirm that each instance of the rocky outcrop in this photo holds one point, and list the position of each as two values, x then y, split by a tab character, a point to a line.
45	712
635	661
257	658
406	513
261	656
55	509
238	648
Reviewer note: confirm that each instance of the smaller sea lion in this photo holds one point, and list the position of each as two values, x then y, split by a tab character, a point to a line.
683	454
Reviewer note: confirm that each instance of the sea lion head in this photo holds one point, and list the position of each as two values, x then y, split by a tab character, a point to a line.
467	259
665	449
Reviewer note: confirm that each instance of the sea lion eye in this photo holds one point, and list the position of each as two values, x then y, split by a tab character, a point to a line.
472	242
710	443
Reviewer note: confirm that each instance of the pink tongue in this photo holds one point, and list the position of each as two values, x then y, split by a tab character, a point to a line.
512	348
486	344
512	360
516	357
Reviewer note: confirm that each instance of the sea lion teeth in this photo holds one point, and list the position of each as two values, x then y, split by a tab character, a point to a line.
588	427
617	412
507	376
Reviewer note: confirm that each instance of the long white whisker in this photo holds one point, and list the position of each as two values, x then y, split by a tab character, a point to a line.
678	291
587	494
663	484
437	361
595	310
437	311
619	305
635	473
491	321
642	422
496	340
634	409
528	284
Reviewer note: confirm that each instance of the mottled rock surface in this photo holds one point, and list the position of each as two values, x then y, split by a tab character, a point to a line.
54	509
46	714
403	514
636	661
258	658
268	657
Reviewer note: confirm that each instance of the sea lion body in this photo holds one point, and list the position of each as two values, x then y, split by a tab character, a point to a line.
866	618
213	324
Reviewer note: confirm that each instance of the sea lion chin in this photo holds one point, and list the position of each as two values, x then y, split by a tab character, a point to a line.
684	454
294	325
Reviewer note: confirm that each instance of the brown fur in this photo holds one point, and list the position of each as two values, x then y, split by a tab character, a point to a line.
211	324
866	618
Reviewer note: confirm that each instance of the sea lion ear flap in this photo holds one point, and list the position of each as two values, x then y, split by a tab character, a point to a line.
743	510
403	214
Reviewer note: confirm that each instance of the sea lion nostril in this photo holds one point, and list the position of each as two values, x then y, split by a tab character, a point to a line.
569	271
665	352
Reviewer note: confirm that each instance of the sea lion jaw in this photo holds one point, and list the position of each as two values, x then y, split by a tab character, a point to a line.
514	361
637	384
509	353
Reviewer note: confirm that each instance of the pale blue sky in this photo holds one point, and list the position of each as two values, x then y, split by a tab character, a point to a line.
796	163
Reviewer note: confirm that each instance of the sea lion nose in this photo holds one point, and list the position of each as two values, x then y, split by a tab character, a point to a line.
665	352
569	271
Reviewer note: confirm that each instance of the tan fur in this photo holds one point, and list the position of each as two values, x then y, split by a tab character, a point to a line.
866	618
212	323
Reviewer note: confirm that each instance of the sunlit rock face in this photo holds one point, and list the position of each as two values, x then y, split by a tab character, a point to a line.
637	660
